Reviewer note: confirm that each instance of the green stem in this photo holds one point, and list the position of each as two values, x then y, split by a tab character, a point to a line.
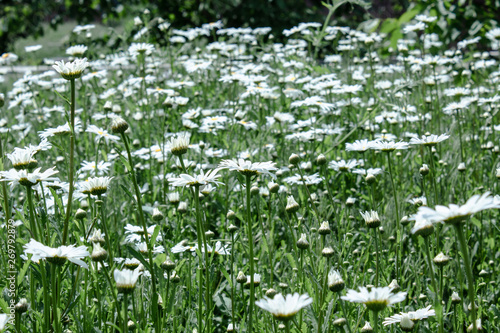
250	249
34	229
55	297
106	231
398	233
468	272
437	300
71	164
377	271
125	314
6	207
154	303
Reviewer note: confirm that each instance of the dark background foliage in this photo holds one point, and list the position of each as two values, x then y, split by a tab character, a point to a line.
457	18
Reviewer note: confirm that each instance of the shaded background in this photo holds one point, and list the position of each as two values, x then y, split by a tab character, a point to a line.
33	18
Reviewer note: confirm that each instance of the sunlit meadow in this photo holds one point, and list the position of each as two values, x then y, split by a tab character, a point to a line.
227	182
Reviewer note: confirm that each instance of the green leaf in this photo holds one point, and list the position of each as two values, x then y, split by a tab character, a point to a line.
409	15
22	272
291	259
389	25
155	235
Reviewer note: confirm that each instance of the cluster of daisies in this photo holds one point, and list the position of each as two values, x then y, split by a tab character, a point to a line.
167	191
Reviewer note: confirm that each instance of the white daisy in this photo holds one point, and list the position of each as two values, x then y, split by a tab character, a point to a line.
454	214
375	299
412	315
248	168
284	308
126	279
57	255
71	70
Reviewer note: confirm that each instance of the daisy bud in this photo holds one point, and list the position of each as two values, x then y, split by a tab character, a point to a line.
321	159
168	265
230	328
307	166
131	325
461	167
108	106
283	285
350	202
371	218
241	278
183	207
209	234
327	252
173	197
2	100
406	323
271	293
231	215
483	272
291	205
98	253
394	286
80	214
367	328
339	322
273	187
498	173
256	280
302	243
254	190
424	170
157	215
441	259
84	205
370	179
294	159
174	277
404	221
21	306
335	282
478	326
119	125
324	229
232	228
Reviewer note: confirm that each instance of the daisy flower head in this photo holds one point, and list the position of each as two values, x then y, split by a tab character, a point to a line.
359	145
454	214
23	159
57	256
26	178
76	50
335	281
284	308
376	299
126	280
140	48
4	320
388	146
248	168
412	316
71	70
429	140
179	144
422	227
102	133
197	180
371	218
98	185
